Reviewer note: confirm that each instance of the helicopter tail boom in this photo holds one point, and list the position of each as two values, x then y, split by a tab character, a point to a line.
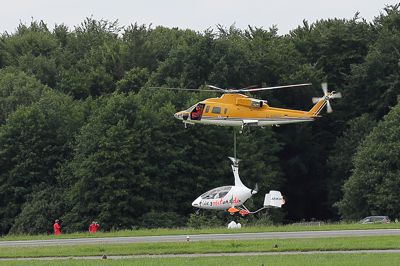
317	108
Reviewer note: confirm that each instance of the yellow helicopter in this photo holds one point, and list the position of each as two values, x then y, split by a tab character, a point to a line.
238	110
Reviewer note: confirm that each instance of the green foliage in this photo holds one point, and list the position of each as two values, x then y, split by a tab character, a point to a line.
112	151
372	188
161	219
105	173
34	143
340	162
334	44
203	221
32	50
374	84
133	80
261	220
38	213
17	89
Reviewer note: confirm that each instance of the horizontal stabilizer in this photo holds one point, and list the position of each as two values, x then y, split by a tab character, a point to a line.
274	199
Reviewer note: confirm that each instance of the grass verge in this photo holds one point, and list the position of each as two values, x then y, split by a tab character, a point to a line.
278	260
220	230
334	243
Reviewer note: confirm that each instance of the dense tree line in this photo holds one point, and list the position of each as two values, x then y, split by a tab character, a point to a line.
83	135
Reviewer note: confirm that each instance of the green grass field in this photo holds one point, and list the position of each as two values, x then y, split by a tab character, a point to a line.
232	246
220	230
276	260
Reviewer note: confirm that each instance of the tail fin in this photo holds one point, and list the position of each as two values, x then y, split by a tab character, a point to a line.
319	105
273	199
324	100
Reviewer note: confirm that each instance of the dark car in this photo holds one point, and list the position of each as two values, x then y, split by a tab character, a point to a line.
375	220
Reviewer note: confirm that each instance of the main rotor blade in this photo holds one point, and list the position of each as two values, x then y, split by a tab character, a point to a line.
179	89
216	88
250	87
273	88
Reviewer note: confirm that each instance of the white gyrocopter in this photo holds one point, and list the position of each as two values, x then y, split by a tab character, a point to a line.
232	198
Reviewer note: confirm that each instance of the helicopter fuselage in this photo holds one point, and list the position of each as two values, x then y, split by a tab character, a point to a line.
233	109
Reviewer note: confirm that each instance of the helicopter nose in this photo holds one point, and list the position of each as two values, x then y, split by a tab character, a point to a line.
181	115
196	202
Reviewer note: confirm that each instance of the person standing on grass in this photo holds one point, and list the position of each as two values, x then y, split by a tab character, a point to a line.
57	227
93	227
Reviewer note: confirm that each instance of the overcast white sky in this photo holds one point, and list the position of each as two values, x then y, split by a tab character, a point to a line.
198	15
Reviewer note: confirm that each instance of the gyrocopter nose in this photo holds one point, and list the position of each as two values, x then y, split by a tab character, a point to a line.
196	202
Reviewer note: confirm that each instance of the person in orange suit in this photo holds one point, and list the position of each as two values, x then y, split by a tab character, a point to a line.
93	227
57	227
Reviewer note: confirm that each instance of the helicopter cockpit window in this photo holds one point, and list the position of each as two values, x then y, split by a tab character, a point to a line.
197	112
216	110
216	193
207	108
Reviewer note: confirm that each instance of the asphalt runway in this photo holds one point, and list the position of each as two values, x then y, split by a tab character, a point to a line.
202	237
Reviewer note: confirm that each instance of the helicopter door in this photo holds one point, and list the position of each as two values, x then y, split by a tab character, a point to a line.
197	112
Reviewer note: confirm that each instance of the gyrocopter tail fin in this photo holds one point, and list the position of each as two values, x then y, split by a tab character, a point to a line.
273	199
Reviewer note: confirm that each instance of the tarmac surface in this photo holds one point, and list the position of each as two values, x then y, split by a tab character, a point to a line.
201	237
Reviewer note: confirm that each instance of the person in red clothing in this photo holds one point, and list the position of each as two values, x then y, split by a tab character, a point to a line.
196	113
57	227
93	227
